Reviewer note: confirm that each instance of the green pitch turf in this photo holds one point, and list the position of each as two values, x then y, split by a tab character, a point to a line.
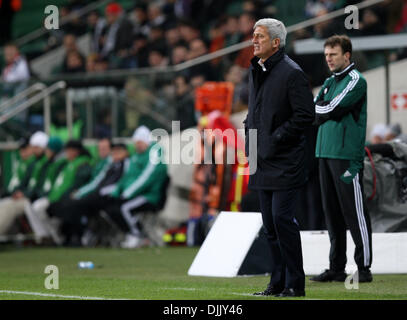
152	273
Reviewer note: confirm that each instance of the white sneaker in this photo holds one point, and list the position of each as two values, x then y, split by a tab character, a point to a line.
131	242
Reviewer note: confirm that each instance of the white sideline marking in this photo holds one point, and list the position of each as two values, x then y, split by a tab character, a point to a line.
51	295
186	289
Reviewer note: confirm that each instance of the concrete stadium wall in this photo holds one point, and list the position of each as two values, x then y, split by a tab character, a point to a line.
377	94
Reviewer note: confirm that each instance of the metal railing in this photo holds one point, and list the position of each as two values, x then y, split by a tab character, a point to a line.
22	95
43	95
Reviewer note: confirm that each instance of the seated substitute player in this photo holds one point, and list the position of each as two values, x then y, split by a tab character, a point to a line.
139	190
92	197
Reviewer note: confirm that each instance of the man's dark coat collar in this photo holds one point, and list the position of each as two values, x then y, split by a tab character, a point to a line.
270	62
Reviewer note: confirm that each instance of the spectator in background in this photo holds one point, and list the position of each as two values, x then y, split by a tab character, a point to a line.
139	18
74	62
101	64
378	133
184	101
92	20
140	50
236	75
371	23
188	31
197	80
90	62
155	16
156	38
97	27
70	43
179	54
246	24
198	48
157	58
117	32
7	10
16	72
394	132
217	36
231	31
313	7
76	25
401	25
172	37
327	28
94	63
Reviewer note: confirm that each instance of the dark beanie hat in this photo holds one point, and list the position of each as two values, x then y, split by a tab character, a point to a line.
55	144
74	144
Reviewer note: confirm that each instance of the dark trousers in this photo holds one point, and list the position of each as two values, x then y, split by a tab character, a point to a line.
283	235
124	213
71	211
344	206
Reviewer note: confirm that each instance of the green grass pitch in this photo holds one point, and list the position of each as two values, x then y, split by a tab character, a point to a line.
152	273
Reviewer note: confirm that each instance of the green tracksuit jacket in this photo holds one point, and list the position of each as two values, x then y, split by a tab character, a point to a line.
341	112
74	175
144	176
37	177
20	174
51	174
98	173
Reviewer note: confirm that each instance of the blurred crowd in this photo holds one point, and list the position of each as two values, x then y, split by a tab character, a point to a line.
162	33
169	32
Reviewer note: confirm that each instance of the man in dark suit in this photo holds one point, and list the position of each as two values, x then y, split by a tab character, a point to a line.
280	109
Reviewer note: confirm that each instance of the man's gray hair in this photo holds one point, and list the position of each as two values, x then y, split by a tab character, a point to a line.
275	28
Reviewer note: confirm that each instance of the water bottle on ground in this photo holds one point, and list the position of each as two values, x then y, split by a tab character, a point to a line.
85	265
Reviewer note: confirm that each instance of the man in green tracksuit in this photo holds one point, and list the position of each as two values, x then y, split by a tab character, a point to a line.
42	169
74	174
41	181
140	188
341	113
22	167
99	169
12	207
